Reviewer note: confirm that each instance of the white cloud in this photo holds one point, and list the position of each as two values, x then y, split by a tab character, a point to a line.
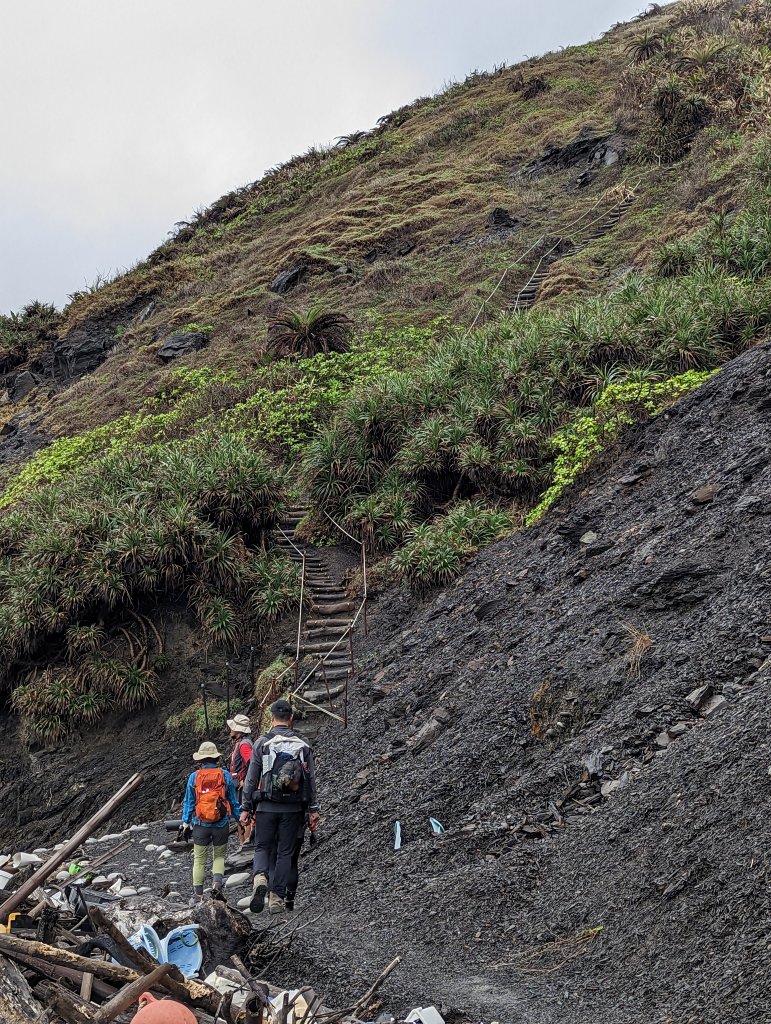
120	119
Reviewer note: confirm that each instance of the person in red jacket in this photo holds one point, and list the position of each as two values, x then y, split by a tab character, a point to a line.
241	734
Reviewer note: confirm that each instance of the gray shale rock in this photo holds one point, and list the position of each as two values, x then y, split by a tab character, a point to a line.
182	344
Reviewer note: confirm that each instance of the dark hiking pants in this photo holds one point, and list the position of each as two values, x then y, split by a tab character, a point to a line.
277	830
291	887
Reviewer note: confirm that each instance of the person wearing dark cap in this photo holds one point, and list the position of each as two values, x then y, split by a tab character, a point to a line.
279	789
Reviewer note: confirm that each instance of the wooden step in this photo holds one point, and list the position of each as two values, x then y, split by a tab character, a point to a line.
310	623
321	696
334	608
317	648
328	631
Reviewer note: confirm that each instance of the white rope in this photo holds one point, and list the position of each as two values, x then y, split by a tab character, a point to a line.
569	226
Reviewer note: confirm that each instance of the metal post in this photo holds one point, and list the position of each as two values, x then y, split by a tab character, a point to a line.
205	706
59	857
364	577
350	646
300	618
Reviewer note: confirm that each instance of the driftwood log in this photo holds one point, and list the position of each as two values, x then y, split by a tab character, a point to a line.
173	982
194	992
17	1003
65	1004
54	972
120	1002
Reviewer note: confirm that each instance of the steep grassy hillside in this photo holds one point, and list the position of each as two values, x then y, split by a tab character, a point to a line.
511	272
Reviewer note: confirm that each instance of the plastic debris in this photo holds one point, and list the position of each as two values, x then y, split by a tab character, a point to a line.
426	1015
397	835
182	947
436	826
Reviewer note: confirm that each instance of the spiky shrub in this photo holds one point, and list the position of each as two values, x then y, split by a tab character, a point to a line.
480	416
644	47
26	334
180	523
435	553
303	335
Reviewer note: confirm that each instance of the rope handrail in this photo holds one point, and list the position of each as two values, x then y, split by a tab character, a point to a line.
301	553
300	684
538	241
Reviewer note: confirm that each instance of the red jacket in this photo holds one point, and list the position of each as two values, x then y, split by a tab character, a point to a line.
240	758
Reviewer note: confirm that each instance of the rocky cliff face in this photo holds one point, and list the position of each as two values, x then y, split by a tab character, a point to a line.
586	713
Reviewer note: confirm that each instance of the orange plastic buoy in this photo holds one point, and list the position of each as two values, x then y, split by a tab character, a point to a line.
162	1011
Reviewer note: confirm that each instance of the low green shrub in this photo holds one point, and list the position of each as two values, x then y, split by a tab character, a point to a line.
192	720
579	443
186	523
436	552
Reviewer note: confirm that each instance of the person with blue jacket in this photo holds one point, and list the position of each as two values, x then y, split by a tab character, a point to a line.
211	802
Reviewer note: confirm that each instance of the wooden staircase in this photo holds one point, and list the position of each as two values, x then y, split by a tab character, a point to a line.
326	637
528	295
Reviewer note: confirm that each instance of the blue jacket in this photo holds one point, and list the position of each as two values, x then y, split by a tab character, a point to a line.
189	816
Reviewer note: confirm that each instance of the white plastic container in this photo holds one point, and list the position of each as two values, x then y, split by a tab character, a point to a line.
426	1015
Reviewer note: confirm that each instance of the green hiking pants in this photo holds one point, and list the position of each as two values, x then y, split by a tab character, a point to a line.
205	836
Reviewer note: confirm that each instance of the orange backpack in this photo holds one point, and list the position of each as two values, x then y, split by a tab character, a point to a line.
211	802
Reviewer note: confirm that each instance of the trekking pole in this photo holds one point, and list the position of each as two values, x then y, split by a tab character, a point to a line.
205	706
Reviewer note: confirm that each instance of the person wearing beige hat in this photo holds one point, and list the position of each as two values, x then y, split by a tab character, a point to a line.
211	801
241	733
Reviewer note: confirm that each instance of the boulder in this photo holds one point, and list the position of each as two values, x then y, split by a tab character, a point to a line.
499	219
587	149
24	383
182	344
288	279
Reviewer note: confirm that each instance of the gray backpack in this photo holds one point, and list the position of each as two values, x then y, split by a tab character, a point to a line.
284	769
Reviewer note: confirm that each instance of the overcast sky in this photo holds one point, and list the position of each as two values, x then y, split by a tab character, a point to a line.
119	118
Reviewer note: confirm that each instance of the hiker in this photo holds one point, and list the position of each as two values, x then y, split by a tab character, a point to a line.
211	801
279	790
241	733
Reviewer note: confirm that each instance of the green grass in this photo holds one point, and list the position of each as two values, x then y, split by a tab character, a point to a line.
192	720
82	560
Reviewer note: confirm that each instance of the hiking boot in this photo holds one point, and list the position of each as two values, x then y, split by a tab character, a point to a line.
289	900
218	893
259	888
276	904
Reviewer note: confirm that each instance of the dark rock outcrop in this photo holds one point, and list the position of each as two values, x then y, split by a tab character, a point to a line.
587	150
182	343
288	279
86	347
20	438
24	383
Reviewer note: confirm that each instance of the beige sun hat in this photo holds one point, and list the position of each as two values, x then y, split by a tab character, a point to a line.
239	723
207	749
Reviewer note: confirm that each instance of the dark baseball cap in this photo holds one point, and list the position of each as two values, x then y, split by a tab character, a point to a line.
281	708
